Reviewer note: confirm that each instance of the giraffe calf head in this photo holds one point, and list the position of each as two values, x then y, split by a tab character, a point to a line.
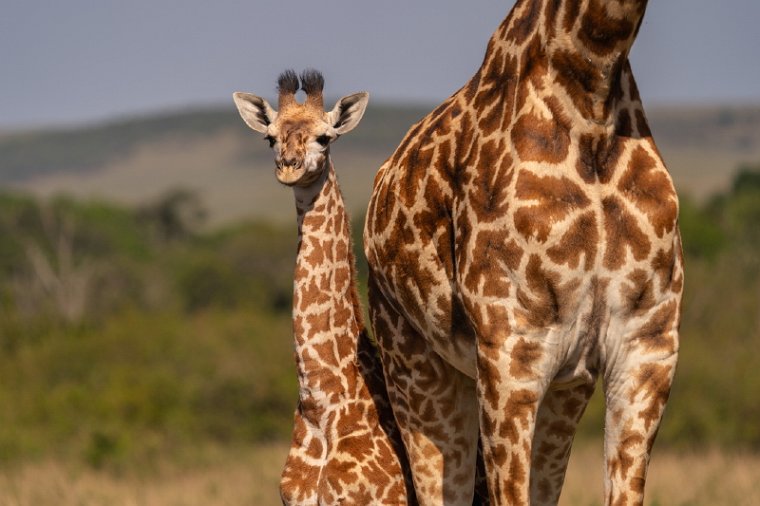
300	133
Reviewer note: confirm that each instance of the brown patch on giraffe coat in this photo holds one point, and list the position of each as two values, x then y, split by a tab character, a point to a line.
524	357
316	251
649	188
545	490
446	168
633	89
587	164
657	333
545	301
520	409
417	161
624	124
496	89
315	448
311	294
488	196
492	246
621	461
464	148
556	198
518	475
298	481
602	33
562	429
525	25
598	157
580	239
550	18
541	140
663	265
579	77
489	379
639	294
622	230
533	70
319	322
654	380
435	217
439	122
608	155
342	274
572	11
326	354
383	207
642	125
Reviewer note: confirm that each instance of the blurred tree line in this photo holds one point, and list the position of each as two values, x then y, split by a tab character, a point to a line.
126	334
131	333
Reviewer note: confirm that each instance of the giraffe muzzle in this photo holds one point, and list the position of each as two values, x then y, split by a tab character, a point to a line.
289	174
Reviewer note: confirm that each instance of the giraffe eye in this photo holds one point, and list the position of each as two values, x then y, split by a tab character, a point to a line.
324	140
271	140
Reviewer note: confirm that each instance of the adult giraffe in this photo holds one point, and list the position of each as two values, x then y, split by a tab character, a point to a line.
523	240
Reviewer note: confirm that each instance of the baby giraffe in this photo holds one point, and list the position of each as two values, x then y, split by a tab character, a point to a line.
346	448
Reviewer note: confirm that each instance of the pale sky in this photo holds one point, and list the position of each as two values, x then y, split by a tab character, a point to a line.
83	61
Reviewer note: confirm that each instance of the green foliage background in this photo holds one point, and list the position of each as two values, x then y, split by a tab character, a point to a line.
131	333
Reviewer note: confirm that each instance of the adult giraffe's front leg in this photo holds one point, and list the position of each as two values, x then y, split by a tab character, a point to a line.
512	381
637	384
558	417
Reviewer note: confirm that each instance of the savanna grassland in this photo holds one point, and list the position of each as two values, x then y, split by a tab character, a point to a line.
145	287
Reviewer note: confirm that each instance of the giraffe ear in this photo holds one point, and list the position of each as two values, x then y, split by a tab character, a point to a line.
255	111
348	112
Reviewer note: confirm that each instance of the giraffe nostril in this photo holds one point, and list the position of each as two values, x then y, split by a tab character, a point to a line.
293	163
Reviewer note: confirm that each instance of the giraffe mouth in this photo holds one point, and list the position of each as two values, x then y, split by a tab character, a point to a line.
289	176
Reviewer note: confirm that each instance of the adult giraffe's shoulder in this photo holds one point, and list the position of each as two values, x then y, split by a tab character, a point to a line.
523	241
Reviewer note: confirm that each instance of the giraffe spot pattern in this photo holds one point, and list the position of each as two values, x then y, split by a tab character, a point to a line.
579	242
555	197
540	140
623	234
602	33
535	221
650	190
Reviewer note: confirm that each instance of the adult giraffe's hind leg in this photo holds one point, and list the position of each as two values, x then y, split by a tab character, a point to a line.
558	417
434	405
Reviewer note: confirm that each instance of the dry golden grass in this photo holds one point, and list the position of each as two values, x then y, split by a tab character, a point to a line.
250	478
246	478
693	479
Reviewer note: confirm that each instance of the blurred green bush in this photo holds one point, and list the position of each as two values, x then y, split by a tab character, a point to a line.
126	334
129	333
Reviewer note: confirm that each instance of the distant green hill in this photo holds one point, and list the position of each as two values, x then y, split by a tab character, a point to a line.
211	151
41	152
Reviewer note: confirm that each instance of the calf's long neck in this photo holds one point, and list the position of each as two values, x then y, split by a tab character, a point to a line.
327	318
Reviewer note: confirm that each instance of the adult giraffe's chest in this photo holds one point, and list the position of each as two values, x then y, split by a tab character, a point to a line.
541	221
606	209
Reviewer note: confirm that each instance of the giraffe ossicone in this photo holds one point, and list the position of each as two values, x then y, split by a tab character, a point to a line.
345	448
522	242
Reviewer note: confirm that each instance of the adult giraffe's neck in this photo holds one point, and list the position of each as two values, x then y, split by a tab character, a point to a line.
580	45
327	317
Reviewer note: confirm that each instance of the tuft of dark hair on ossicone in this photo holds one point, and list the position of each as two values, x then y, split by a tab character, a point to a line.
312	81
287	82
